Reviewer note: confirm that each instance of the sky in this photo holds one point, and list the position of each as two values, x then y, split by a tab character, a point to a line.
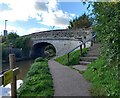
29	16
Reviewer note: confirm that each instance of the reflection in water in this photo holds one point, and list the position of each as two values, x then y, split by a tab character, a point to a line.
23	66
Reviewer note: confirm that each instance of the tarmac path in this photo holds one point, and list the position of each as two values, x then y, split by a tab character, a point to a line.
67	81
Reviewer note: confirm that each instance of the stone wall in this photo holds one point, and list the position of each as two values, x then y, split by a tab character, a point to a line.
62	46
63	33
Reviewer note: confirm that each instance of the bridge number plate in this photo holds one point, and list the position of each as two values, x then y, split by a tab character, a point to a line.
8	77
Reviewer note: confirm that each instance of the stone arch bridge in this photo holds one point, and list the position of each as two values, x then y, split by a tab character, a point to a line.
62	40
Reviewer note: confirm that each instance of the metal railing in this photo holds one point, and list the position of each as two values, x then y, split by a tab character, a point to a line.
92	39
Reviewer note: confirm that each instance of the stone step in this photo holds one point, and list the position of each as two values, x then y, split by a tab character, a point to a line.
94	51
95	48
91	55
89	59
84	63
80	67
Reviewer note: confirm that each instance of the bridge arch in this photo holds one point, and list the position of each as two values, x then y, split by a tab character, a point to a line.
43	49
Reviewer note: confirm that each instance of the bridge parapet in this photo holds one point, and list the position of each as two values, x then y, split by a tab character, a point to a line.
64	33
49	38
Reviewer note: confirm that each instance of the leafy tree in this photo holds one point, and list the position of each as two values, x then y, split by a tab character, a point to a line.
17	41
4	51
24	43
11	37
80	22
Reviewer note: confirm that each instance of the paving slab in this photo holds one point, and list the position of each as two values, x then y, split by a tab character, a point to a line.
67	81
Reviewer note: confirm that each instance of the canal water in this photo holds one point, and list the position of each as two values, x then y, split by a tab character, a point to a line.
24	66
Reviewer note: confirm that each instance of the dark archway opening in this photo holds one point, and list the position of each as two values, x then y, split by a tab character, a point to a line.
43	49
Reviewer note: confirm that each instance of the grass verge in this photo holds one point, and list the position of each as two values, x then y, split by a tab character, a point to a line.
74	58
104	78
38	81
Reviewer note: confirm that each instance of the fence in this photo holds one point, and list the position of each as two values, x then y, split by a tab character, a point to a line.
9	76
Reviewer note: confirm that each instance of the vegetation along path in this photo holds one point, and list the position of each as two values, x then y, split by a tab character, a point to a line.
68	82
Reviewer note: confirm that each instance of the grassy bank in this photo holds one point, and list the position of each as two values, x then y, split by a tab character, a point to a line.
104	78
38	81
74	58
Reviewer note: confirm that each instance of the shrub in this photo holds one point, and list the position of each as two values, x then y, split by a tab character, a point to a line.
39	59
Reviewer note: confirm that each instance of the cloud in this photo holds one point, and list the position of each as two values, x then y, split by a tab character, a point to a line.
4	7
57	18
52	5
61	21
63	18
45	12
21	10
40	6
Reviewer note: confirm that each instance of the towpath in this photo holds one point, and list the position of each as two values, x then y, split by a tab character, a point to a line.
67	81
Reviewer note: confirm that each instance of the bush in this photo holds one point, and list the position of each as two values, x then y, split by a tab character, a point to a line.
38	81
39	59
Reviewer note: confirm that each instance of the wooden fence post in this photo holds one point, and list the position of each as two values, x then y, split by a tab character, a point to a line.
12	62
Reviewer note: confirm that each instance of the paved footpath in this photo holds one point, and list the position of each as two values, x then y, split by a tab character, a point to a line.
67	81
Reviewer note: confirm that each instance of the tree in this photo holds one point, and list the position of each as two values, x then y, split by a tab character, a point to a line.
24	43
80	22
11	37
17	42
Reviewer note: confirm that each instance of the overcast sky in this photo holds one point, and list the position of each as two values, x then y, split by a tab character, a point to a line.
29	16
